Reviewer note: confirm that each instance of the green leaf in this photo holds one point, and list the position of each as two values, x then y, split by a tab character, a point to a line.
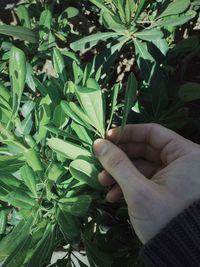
130	100
17	71
173	21
114	96
141	5
92	102
174	8
59	65
23	15
20	199
24	127
129	9
112	22
8	182
12	241
88	71
10	163
70	226
71	12
59	117
144	60
4	92
19	32
56	172
82	133
100	4
33	160
44	115
92	40
189	92
85	172
31	142
76	114
67	149
66	134
3	222
29	177
149	35
120	8
77	206
27	108
40	87
17	257
43	250
45	21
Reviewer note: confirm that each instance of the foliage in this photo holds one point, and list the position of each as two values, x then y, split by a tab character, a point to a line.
60	90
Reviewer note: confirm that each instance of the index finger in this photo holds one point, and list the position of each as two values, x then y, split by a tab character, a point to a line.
154	135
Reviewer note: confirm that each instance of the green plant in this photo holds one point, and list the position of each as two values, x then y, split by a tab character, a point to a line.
49	194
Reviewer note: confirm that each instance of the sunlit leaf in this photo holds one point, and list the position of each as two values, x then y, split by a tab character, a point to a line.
85	172
130	100
67	149
19	32
175	7
77	206
92	102
17	71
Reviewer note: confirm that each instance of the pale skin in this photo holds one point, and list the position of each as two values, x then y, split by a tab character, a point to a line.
156	170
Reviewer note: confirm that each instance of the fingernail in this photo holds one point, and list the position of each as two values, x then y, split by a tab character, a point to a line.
110	198
109	132
100	147
100	178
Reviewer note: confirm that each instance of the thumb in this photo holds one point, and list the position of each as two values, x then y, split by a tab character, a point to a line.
119	166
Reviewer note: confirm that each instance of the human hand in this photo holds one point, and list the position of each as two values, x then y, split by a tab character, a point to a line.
171	163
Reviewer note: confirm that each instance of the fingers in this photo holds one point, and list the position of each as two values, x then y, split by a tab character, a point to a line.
153	134
119	166
164	141
105	178
114	194
141	151
148	169
145	167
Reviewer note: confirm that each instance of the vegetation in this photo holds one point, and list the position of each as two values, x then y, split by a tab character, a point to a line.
70	71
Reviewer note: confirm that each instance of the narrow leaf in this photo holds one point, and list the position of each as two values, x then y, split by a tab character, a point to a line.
33	160
112	22
92	102
92	40
100	4
23	15
76	114
175	7
149	35
17	71
29	177
141	5
77	206
130	100
144	60
19	32
59	65
70	226
114	96
10	242
67	149
85	172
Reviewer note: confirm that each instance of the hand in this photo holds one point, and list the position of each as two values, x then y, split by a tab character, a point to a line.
157	170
